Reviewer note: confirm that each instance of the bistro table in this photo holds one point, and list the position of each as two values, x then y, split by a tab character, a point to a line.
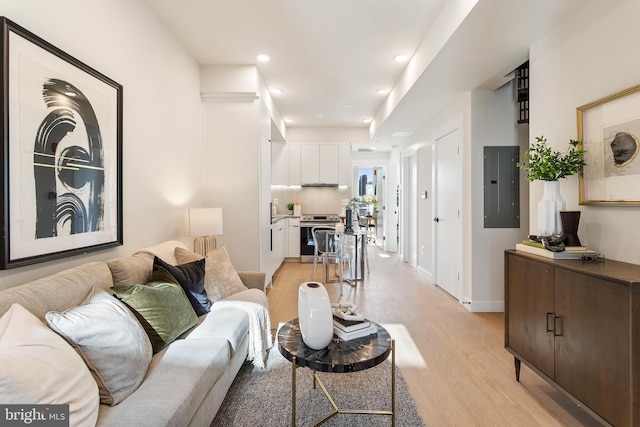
339	357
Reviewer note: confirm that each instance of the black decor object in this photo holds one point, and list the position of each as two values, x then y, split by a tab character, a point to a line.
347	226
570	221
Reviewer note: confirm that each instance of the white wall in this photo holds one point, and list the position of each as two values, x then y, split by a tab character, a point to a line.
589	57
424	208
493	123
162	144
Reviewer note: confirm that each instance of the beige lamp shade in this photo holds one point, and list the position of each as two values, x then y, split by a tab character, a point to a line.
204	223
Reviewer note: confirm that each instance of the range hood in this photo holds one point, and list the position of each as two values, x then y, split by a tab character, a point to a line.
319	185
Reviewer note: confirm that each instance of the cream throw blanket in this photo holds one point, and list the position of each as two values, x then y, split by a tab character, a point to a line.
254	302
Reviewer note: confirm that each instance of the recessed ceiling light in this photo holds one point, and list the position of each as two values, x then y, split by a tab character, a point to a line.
367	120
382	91
288	120
263	58
402	133
276	91
400	58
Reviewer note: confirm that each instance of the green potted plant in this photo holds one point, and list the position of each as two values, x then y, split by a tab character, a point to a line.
290	207
548	165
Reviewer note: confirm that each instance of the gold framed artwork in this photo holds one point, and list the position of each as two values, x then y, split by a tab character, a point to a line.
609	132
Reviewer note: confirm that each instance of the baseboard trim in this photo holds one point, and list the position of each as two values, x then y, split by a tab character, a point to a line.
485	306
427	275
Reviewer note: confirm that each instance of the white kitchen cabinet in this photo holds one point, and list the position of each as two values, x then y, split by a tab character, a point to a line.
280	163
344	164
309	163
294	164
319	164
329	160
293	237
278	249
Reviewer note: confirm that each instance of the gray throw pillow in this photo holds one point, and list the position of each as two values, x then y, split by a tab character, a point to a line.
111	341
220	277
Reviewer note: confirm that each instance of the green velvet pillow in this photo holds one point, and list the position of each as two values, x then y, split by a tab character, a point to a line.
161	306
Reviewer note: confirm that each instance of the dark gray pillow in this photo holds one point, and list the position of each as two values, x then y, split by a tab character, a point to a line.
191	277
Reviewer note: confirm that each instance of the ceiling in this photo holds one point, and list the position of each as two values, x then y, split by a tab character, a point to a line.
330	57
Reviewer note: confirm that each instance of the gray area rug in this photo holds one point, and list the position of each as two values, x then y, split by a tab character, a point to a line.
262	397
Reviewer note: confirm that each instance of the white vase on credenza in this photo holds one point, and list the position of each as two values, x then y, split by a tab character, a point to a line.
549	208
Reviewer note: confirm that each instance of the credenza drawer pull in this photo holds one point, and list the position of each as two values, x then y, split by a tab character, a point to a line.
550	320
557	326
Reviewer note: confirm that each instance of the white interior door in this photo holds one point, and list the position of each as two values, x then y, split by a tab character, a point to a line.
412	232
448	222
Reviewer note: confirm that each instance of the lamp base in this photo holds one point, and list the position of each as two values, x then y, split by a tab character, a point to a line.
202	245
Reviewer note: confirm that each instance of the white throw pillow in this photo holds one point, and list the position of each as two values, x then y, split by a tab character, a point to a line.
220	277
111	341
39	367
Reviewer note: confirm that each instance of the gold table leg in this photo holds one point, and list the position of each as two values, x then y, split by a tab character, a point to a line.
293	392
336	410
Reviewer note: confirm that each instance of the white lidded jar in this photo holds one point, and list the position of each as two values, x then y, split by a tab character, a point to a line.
314	313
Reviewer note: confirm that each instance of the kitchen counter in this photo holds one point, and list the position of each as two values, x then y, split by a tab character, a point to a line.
277	218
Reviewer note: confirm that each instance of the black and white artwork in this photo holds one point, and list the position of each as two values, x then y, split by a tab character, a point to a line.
63	143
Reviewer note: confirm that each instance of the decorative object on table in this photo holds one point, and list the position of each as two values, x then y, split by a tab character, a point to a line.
290	208
204	224
62	145
350	208
570	221
314	313
372	202
348	228
348	323
608	130
546	164
297	208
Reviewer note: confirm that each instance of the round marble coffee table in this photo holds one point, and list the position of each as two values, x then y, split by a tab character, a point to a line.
339	357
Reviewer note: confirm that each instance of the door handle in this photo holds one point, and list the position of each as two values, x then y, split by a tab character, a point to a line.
557	326
551	317
436	219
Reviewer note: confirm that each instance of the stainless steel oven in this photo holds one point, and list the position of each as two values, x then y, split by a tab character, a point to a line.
307	222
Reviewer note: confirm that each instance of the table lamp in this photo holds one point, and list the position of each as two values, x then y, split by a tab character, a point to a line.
204	223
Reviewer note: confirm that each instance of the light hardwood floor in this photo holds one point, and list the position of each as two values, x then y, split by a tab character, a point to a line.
453	361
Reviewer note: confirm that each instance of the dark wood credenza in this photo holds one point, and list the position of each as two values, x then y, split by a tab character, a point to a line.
576	324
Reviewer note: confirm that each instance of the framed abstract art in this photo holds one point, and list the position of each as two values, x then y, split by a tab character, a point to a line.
609	132
61	154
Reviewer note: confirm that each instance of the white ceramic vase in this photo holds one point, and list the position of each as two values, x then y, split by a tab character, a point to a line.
549	208
314	313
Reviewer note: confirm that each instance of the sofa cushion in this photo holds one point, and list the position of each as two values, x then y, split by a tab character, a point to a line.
131	270
59	291
220	278
191	277
226	323
111	341
164	251
161	307
38	367
176	383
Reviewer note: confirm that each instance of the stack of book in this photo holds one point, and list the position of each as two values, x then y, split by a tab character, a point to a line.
570	252
352	329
